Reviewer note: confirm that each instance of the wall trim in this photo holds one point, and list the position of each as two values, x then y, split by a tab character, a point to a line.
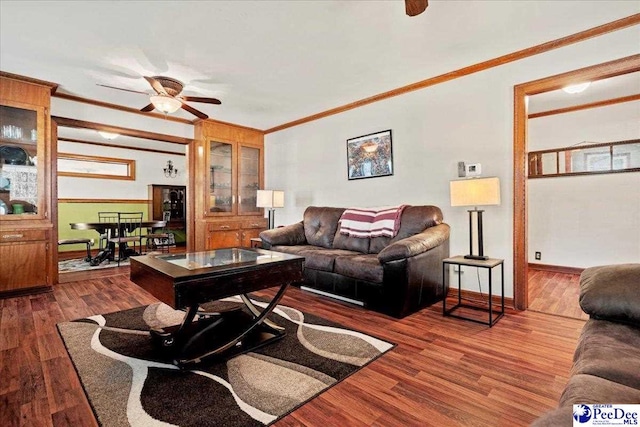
106	144
120	108
556	268
596	104
477	297
471	69
131	201
82	124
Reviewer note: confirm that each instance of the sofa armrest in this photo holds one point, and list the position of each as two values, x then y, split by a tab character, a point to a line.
611	292
416	244
289	235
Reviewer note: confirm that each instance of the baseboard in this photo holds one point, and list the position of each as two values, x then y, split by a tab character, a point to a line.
65	255
556	268
476	296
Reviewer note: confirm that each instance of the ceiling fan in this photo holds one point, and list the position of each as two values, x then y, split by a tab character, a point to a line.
167	96
415	7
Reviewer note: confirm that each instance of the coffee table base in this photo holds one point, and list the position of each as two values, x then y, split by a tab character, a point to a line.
224	334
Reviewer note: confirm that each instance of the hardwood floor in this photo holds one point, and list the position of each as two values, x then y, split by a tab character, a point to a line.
555	293
444	371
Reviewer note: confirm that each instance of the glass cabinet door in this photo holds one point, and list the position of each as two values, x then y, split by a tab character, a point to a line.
21	175
221	189
248	179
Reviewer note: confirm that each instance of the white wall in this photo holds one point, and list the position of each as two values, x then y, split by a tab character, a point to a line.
149	170
468	119
582	221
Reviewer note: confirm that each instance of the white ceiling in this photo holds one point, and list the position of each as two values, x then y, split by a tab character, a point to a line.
272	62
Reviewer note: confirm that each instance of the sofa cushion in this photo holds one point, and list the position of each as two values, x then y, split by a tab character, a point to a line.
295	250
363	267
592	389
414	220
358	244
611	292
558	418
323	259
609	350
587	389
320	225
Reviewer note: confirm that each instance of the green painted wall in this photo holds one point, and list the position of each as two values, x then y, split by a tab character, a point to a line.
88	212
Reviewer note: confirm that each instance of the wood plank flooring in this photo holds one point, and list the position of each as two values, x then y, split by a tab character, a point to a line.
444	371
555	293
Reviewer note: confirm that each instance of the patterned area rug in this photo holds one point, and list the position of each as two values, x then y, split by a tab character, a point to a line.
82	265
127	382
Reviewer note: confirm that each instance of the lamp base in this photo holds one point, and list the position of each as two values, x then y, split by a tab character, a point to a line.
477	257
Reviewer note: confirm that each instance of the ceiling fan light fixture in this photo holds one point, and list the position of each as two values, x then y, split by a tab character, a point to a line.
165	103
576	88
108	135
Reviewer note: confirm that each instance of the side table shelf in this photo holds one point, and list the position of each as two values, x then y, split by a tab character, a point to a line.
489	264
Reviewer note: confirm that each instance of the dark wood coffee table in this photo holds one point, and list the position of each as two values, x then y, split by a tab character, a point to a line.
186	281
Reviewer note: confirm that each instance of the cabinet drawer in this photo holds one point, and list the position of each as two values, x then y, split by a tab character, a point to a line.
22	235
224	226
254	223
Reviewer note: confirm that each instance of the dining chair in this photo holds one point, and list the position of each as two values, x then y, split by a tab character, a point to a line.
161	239
106	234
128	235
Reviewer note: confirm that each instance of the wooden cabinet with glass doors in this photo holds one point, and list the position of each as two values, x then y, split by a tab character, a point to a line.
232	161
27	231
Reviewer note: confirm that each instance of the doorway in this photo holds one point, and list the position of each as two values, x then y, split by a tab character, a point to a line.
521	125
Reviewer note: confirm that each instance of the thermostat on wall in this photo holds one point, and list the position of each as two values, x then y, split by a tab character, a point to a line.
474	169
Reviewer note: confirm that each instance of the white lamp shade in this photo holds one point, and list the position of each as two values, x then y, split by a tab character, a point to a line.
165	103
475	192
270	199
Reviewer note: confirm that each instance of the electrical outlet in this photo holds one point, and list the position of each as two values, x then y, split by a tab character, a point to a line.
92	242
457	270
538	256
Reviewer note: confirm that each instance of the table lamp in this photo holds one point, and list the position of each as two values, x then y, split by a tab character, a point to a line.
270	199
475	192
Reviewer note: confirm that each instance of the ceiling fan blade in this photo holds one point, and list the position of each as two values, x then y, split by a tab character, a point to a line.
156	85
193	111
201	99
415	7
148	108
119	88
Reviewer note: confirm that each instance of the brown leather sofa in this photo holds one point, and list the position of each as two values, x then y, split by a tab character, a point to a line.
397	276
606	363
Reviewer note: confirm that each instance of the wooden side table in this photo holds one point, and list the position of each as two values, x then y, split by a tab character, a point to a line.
489	264
256	243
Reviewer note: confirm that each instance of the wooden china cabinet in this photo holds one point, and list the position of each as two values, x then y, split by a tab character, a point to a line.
228	163
28	249
168	198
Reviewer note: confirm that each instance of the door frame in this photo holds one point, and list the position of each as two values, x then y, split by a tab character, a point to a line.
605	70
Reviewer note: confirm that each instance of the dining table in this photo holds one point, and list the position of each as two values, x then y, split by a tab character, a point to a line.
109	228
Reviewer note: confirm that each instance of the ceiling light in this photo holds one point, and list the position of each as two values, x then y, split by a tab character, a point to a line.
576	88
108	135
165	103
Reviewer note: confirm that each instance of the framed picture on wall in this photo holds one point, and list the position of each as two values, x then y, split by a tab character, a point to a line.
370	156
